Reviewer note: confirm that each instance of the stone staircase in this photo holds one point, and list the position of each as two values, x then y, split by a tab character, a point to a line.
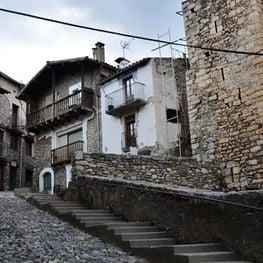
140	238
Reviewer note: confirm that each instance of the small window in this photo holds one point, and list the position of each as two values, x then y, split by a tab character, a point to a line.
28	147
14	143
172	115
215	24
222	74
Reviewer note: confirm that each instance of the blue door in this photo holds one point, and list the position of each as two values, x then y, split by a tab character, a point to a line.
47	182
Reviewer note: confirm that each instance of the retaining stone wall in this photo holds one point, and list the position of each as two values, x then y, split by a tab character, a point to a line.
185	172
189	220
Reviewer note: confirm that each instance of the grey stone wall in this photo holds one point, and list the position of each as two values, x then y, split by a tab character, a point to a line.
42	154
225	90
180	172
189	220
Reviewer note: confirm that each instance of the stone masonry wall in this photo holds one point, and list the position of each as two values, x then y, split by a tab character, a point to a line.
224	90
176	172
189	220
42	154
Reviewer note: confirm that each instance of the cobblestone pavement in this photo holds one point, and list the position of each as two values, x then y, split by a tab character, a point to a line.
30	235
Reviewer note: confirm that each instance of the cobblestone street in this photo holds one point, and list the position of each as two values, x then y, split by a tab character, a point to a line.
30	235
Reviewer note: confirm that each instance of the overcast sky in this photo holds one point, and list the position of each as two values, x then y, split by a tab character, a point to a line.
26	44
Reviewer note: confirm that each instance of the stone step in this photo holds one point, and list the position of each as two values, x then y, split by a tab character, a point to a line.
99	219
119	230
68	208
87	211
88	215
128	224
143	235
206	256
64	204
139	243
195	248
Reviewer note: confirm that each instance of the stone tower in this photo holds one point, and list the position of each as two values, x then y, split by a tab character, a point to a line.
225	90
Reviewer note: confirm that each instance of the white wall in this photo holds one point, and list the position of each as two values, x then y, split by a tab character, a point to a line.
112	127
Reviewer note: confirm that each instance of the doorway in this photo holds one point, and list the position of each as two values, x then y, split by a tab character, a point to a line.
47	182
1	178
12	178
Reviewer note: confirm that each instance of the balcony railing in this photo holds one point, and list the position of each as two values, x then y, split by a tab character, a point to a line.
3	150
65	153
82	99
117	102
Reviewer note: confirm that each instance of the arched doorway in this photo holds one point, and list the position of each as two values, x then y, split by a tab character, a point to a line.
46	180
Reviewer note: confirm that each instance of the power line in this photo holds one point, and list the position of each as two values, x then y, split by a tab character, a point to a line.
128	35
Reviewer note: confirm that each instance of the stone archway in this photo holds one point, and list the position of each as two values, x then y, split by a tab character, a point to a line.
46	180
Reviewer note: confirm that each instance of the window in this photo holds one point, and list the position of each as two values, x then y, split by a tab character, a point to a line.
74	90
130	131
128	87
14	115
172	115
70	137
14	142
28	147
1	136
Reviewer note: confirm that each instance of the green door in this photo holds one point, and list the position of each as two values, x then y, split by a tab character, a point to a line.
47	182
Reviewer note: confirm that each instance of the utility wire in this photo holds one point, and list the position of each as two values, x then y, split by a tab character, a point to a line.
128	35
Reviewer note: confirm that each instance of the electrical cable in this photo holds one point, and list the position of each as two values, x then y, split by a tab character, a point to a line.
128	35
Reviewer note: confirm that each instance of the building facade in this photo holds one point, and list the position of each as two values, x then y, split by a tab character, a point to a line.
15	144
143	108
62	112
224	90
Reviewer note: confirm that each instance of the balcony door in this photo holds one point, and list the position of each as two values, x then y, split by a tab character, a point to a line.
128	88
130	131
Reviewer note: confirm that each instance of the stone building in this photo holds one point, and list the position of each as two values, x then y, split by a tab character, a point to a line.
62	112
225	94
144	105
15	144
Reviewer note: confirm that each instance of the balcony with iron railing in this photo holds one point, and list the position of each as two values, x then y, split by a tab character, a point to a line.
65	154
60	110
118	103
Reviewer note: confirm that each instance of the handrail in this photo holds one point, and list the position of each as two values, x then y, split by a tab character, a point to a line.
123	87
55	102
184	195
67	145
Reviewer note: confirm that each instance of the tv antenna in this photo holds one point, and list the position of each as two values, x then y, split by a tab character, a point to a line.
125	45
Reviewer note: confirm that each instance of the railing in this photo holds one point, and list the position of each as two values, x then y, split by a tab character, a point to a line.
40	116
82	98
119	97
170	193
3	149
65	153
67	104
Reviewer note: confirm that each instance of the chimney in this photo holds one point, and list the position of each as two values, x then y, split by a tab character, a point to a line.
99	52
122	62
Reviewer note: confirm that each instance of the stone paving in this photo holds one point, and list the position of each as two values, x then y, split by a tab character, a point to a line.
29	235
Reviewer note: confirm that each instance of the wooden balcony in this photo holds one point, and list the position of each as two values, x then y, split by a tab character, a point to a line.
65	153
119	104
61	110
